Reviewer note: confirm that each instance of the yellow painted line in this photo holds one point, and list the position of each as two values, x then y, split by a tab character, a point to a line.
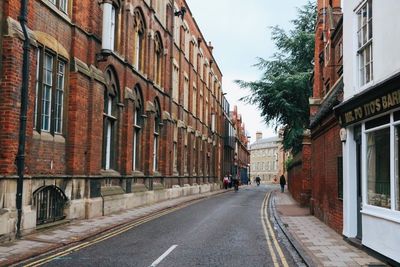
277	246
108	236
270	248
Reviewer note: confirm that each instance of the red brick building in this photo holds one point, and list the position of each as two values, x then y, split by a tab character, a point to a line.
241	152
326	147
124	99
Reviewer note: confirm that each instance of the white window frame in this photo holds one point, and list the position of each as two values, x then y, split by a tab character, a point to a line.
365	44
377	211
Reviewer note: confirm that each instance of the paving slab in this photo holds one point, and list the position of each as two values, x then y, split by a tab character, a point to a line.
325	246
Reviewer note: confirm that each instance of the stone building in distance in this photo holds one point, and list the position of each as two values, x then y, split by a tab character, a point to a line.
266	158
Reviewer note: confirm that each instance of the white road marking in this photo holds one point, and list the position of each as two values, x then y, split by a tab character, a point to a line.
163	256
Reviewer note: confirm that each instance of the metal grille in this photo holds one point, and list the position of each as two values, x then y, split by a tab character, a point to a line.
49	202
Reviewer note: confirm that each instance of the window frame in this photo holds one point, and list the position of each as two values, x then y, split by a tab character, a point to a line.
110	117
365	45
54	119
394	192
137	128
57	4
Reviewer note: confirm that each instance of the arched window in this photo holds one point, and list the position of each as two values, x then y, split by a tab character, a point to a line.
139	44
110	116
137	127
158	59
157	128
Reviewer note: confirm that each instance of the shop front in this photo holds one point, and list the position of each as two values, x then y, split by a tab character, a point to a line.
370	134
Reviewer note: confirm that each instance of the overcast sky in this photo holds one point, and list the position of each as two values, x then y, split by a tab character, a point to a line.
239	31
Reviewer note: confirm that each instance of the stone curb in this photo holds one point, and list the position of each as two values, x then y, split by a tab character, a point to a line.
304	255
82	237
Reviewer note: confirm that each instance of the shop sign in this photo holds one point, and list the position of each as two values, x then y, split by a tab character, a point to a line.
370	108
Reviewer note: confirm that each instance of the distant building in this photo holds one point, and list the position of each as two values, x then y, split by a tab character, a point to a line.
264	158
242	154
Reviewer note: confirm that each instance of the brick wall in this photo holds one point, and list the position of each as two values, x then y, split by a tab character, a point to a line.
326	149
298	175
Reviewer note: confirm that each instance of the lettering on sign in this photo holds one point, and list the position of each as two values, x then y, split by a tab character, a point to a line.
371	108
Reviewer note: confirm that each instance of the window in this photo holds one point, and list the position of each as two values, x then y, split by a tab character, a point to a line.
175	163
364	35
110	116
61	5
186	93
378	167
139	42
158	59
50	90
397	165
194	104
175	85
111	25
327	53
157	126
137	127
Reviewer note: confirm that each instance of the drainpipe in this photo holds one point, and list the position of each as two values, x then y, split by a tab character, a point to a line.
20	159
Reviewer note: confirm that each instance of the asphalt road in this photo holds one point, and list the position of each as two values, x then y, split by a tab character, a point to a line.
225	230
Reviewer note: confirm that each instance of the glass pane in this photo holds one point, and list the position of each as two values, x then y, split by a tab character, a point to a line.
378	168
397	165
364	35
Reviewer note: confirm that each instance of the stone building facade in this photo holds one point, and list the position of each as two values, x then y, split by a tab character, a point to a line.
326	147
265	154
124	108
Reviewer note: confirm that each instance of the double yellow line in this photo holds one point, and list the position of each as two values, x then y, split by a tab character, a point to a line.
111	234
272	242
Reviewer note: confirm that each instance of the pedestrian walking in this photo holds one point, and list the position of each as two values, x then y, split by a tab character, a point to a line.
226	181
282	182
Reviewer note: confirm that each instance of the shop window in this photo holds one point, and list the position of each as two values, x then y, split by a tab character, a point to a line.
397	165
50	92
378	168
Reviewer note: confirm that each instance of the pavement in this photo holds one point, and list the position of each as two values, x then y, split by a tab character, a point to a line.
316	243
43	241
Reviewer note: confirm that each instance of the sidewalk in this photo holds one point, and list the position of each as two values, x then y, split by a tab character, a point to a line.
319	243
75	231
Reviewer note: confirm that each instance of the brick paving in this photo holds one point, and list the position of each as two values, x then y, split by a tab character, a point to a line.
321	243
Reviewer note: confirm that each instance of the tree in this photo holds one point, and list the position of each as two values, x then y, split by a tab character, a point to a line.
283	91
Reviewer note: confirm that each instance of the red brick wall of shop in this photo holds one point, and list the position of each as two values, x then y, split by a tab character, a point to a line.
326	148
298	179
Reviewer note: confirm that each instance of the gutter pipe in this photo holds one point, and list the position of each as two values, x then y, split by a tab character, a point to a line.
20	159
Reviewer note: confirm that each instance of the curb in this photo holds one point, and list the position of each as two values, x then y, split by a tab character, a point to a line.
303	254
56	246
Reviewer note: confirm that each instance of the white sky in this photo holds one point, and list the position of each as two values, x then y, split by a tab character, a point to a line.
239	31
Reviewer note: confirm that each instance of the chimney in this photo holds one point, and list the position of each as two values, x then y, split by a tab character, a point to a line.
258	136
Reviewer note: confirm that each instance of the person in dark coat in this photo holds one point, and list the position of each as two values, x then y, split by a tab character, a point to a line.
282	182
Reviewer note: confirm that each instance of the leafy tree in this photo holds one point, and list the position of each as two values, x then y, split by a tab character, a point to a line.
283	91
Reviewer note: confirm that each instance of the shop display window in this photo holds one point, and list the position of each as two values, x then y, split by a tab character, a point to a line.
378	168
